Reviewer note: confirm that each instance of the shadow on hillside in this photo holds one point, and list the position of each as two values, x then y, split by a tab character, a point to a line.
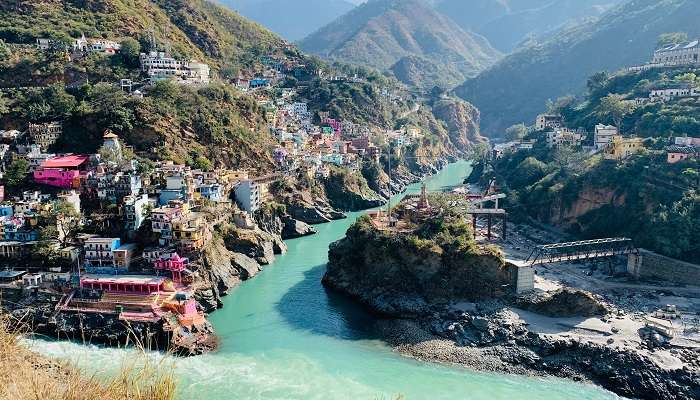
309	306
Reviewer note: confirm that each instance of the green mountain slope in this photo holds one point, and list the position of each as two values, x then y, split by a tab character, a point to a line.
291	19
381	33
201	125
515	89
191	28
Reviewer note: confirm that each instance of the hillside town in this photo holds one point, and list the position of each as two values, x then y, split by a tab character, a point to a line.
114	233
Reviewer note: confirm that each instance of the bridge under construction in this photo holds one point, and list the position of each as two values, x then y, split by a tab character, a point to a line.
581	250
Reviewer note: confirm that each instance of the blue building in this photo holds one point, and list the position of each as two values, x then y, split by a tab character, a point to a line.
6	210
211	192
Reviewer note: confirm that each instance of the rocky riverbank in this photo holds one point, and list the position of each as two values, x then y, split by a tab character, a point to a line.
442	303
496	338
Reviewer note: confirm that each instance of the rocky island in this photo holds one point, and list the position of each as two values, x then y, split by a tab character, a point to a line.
447	297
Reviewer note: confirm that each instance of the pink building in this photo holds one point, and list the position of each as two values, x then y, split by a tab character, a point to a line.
175	264
124	283
61	171
335	124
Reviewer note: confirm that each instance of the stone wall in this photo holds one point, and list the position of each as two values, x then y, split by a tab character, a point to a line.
648	264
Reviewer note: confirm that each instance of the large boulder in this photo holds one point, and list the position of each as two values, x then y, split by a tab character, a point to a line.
246	266
294	228
564	303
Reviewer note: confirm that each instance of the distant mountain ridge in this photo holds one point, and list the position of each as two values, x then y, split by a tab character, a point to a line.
506	23
291	19
515	89
382	33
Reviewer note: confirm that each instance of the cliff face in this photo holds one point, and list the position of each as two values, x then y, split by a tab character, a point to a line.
233	256
462	120
400	275
587	199
350	192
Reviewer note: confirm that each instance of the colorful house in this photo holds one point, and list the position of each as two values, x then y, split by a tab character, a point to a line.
63	171
175	264
621	148
676	154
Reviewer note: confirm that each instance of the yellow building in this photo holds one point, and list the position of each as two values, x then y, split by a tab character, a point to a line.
191	231
621	148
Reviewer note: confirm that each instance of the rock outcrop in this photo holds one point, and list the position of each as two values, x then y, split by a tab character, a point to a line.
462	120
402	275
564	303
350	192
294	228
233	256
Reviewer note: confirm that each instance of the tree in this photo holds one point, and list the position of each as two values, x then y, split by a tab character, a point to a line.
668	39
17	172
4	105
569	160
62	223
597	82
130	52
614	107
516	132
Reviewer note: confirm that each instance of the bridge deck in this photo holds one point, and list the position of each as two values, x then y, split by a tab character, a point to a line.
581	250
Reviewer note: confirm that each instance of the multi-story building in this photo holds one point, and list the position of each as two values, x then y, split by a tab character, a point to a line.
687	141
61	172
603	135
134	208
35	157
45	135
179	186
546	121
162	219
621	148
191	232
670	92
161	66
565	137
678	54
124	254
250	194
99	251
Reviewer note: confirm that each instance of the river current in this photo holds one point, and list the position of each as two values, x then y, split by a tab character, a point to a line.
283	336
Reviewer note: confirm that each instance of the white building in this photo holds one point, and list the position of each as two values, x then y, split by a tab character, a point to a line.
687	141
603	136
249	195
678	54
134	210
161	66
674	91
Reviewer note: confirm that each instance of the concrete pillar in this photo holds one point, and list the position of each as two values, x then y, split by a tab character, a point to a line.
525	280
634	265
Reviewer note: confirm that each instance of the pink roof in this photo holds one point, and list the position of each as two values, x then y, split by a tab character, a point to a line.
68	161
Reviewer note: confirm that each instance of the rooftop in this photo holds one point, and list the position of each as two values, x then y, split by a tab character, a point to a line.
73	160
128	279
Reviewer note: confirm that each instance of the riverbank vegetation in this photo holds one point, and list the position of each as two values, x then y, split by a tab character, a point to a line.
25	375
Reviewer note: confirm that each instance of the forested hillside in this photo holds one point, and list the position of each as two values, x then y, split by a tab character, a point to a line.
515	89
642	196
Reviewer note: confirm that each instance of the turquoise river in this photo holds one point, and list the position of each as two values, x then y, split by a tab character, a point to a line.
283	336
